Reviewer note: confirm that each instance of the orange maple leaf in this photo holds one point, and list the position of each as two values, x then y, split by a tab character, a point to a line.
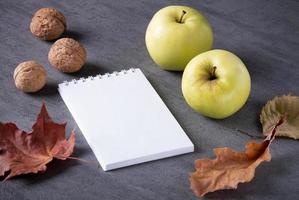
230	167
22	152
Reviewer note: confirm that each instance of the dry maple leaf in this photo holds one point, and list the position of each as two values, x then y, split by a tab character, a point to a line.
287	107
22	153
230	167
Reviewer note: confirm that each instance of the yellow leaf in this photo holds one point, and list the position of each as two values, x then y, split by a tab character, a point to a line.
286	107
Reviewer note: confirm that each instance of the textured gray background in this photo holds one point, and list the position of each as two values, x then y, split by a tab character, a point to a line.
264	34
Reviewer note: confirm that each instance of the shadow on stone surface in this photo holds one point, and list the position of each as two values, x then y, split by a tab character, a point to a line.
50	89
89	69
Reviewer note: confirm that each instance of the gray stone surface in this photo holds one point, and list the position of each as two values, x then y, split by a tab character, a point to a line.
264	34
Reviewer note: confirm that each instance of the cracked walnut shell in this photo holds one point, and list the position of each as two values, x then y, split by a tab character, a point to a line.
48	24
30	76
67	55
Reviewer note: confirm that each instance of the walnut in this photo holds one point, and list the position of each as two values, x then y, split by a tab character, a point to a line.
67	55
48	24
30	76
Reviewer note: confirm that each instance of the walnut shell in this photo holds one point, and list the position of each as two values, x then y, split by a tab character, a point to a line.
30	76
48	24
67	55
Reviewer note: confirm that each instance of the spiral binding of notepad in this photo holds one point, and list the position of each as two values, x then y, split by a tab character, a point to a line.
106	75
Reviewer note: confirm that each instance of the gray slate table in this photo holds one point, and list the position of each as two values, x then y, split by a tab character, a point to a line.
264	34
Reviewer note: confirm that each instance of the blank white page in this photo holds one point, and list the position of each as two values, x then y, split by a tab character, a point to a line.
123	119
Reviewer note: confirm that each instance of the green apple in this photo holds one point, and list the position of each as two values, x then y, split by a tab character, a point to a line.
216	83
175	35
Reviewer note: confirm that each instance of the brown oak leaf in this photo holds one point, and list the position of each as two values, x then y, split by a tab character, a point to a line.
22	152
230	167
286	106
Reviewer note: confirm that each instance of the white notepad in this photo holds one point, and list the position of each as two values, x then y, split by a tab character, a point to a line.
123	119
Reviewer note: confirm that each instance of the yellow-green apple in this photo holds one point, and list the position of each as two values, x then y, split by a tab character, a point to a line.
175	35
216	83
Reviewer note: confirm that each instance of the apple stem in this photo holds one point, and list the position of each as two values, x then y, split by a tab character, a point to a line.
183	14
213	73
